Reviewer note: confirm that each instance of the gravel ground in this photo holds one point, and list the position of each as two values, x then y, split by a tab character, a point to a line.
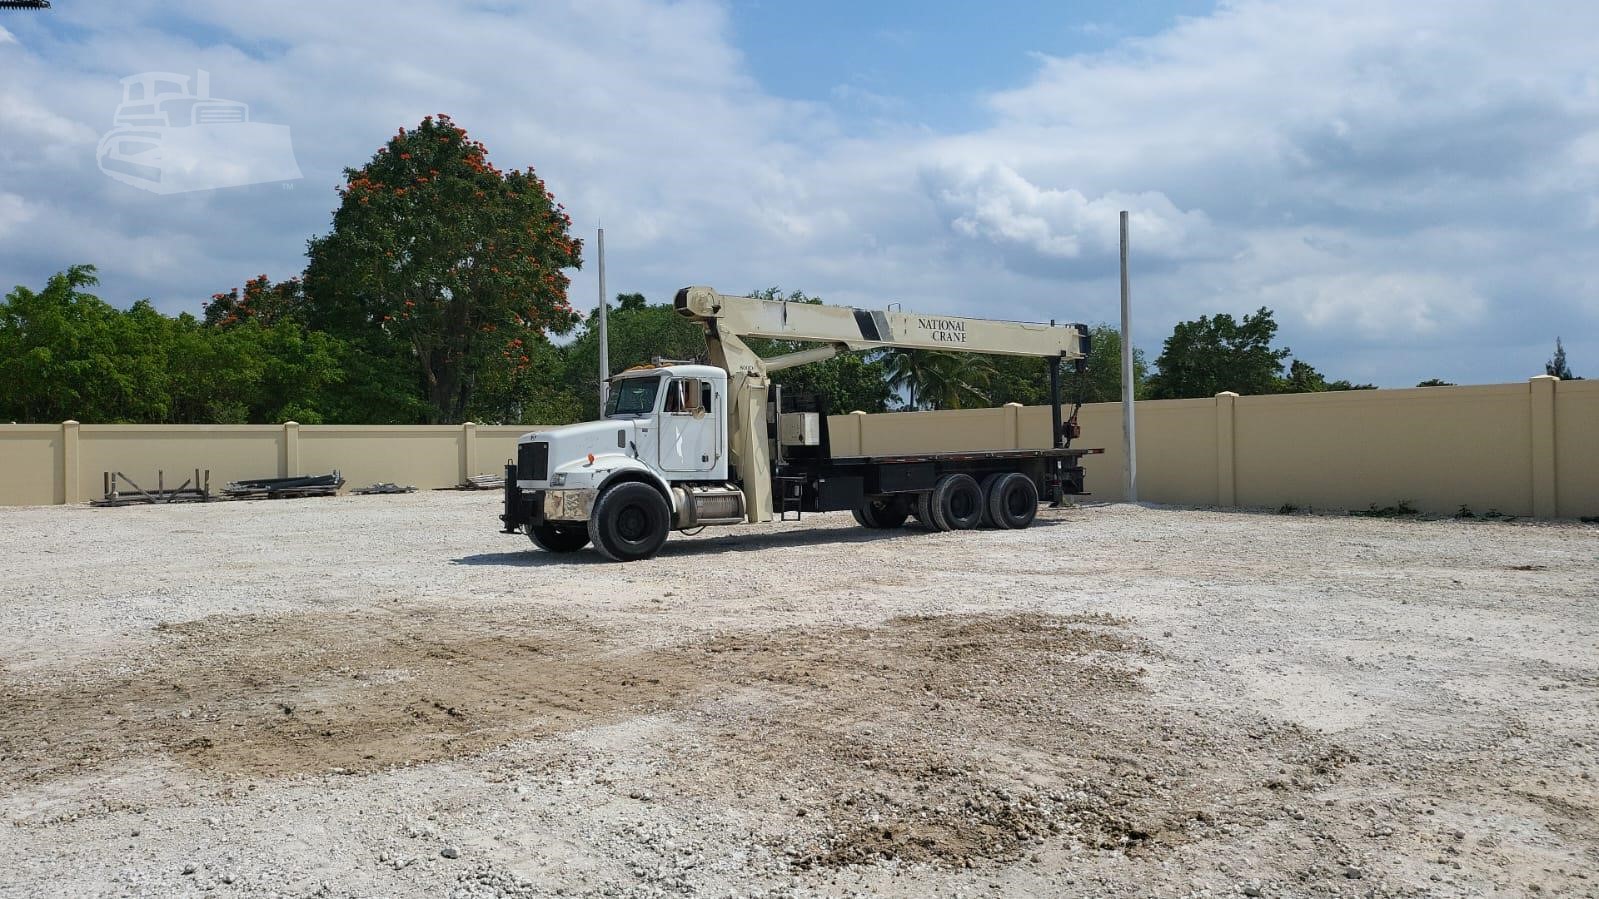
380	696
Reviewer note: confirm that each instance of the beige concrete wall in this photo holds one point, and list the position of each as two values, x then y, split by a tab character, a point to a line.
421	455
1577	448
142	452
495	445
1523	449
44	464
1177	449
30	465
1436	447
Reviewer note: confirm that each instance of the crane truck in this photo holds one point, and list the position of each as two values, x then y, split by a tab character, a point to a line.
681	446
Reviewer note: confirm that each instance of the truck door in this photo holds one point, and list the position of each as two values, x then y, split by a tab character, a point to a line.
688	427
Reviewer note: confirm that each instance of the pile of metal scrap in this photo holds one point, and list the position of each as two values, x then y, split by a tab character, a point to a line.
385	488
282	488
120	490
484	482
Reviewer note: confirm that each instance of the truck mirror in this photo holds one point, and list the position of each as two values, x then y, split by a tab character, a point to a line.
689	394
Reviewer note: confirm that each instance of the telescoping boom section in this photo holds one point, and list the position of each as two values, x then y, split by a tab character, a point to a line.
682	446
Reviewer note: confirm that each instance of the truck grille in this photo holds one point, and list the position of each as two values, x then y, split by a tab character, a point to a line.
533	461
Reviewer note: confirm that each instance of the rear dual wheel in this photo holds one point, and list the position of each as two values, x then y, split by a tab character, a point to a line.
1012	500
958	503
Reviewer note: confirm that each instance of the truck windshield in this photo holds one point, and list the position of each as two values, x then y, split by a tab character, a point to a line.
632	396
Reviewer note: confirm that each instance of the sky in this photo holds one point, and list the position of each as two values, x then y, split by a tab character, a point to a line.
1412	188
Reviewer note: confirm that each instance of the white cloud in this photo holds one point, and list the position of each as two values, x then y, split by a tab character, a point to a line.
14	213
995	203
1397	175
1379	306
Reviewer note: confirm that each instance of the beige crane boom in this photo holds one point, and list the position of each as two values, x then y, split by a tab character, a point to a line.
727	320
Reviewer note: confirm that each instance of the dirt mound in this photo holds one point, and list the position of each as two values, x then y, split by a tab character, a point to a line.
950	740
960	739
315	693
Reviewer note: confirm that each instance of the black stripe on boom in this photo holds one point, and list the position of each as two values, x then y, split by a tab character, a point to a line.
868	326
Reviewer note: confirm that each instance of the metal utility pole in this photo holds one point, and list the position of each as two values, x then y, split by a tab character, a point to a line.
605	345
1129	440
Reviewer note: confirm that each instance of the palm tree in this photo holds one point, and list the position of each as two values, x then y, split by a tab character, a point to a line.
939	380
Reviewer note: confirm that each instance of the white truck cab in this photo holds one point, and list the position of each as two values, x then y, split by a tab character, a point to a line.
665	429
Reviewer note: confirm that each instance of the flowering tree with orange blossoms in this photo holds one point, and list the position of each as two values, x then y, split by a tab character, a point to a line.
447	259
260	300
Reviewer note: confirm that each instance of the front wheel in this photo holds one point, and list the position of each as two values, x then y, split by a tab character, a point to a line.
630	521
554	539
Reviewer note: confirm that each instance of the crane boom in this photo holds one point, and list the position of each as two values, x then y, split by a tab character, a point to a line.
861	329
727	320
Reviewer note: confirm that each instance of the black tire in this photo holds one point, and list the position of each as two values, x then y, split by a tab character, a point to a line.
882	512
957	503
554	539
1012	501
922	510
988	483
630	522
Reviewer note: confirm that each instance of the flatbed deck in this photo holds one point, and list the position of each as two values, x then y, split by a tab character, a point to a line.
967	456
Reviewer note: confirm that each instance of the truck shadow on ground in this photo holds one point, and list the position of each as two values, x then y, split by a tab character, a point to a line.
721	544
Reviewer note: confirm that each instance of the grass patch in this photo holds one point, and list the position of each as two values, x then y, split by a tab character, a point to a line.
1401	509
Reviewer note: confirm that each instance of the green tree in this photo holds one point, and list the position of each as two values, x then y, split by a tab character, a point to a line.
1436	382
1303	378
1018	379
438	255
1207	356
933	379
539	392
254	373
1557	364
66	354
260	301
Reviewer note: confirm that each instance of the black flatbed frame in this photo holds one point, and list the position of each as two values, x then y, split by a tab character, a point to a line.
966	456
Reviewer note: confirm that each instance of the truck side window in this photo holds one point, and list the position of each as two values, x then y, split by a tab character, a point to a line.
686	395
705	395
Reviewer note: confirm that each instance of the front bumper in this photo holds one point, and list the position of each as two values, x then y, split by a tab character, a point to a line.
568	505
536	506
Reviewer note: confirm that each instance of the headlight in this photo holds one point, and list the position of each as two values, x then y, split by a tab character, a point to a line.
558	479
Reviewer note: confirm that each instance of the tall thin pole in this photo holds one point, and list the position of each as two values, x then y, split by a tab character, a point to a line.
605	344
1129	441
